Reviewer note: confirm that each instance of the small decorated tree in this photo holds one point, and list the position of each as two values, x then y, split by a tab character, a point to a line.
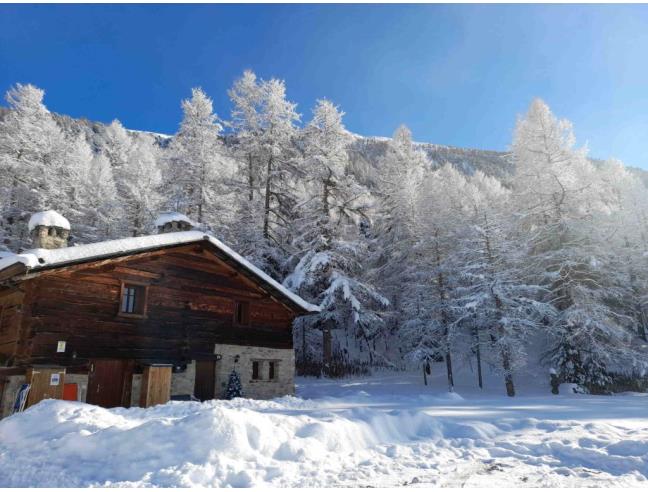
234	388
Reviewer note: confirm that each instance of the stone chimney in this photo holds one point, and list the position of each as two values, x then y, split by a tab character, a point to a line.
173	222
49	230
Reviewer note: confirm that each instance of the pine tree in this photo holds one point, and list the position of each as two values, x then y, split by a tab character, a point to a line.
234	387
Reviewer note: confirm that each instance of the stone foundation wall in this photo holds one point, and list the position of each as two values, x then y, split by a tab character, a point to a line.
182	383
283	384
233	357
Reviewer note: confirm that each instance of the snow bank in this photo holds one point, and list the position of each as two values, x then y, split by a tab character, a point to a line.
49	218
361	434
68	444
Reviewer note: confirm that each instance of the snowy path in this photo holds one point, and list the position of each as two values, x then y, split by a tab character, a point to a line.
381	431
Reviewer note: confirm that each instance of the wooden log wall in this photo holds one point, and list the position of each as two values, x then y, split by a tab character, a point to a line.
191	300
11	299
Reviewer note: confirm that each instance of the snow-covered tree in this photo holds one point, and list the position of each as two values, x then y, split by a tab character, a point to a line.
494	298
99	202
331	253
558	196
266	152
140	179
430	330
32	155
116	145
197	167
396	220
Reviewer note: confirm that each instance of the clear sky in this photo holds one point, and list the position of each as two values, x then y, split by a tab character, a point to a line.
455	74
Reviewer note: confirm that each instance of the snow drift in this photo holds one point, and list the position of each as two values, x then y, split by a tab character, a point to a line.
370	433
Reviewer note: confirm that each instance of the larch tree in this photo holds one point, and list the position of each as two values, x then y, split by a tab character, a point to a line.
197	168
32	153
100	202
430	334
246	147
396	221
558	196
273	173
494	298
140	180
329	251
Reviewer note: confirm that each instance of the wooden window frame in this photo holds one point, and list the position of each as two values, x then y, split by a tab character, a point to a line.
246	313
263	371
143	313
274	366
259	366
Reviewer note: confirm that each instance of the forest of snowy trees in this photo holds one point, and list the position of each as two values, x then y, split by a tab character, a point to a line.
540	262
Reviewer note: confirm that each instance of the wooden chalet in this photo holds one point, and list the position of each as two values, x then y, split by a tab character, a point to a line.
141	320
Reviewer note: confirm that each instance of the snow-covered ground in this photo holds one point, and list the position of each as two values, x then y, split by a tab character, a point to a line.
384	430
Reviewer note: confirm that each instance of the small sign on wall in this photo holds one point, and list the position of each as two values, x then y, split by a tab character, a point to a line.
55	379
60	346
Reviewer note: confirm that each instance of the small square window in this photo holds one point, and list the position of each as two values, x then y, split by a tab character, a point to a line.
241	313
256	369
133	300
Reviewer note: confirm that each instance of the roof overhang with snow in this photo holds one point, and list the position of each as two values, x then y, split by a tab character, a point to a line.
40	260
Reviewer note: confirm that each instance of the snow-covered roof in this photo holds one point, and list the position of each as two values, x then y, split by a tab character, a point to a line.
167	217
38	259
49	218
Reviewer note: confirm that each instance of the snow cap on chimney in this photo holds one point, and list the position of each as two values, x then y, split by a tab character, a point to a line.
173	222
49	230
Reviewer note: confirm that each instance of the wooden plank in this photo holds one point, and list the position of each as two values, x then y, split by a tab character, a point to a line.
156	386
138	273
46	382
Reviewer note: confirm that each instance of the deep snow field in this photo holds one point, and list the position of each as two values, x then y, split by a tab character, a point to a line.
385	430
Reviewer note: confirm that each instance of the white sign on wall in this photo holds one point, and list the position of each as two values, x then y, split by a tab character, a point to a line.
55	379
60	346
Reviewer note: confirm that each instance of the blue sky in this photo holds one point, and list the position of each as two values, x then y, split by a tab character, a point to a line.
455	74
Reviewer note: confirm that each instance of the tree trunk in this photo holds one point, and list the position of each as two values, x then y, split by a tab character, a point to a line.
508	377
326	233
506	358
303	343
250	179
327	348
441	289
449	369
478	354
266	210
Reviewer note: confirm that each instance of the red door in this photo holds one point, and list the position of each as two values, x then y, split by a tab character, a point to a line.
109	383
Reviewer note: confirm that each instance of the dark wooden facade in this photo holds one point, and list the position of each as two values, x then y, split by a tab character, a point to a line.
191	295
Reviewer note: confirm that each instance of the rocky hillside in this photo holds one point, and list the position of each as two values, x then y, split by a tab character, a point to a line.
366	150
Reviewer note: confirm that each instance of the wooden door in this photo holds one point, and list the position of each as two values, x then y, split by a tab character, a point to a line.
109	383
45	383
204	388
156	386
